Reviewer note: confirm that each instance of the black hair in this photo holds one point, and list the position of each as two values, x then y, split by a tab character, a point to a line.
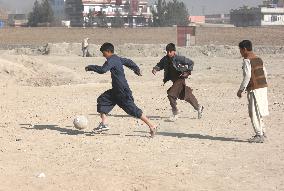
171	47
246	44
107	47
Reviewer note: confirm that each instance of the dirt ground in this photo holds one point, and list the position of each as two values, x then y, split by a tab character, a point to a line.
40	96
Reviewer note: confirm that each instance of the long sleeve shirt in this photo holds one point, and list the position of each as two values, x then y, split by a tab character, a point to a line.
173	67
85	43
114	64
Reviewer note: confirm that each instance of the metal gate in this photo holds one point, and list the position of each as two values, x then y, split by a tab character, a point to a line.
186	35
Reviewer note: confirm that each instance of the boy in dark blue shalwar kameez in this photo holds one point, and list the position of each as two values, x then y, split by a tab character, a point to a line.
120	94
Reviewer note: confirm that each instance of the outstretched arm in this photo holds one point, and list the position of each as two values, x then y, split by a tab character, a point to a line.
100	69
131	65
159	66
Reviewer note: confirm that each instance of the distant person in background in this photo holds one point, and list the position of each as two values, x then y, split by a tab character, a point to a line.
85	47
177	69
255	83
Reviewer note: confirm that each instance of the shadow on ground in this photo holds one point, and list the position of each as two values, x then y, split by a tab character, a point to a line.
195	136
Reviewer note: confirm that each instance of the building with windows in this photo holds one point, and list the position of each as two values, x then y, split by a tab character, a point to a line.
18	20
134	13
196	19
217	19
270	13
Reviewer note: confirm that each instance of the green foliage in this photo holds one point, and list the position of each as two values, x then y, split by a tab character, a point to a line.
34	16
170	13
41	13
159	14
47	12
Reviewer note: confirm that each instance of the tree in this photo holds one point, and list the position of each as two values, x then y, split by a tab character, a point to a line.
169	14
47	12
35	16
42	13
177	13
74	12
159	14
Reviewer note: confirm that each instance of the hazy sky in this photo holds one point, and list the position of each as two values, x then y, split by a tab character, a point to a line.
195	7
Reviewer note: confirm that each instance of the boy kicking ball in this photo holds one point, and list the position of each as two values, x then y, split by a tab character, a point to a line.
120	94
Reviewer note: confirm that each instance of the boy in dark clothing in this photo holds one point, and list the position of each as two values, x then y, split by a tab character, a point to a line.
120	94
177	69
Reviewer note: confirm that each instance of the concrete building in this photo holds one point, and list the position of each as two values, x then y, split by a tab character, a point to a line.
135	13
270	13
217	19
18	20
196	19
274	3
272	16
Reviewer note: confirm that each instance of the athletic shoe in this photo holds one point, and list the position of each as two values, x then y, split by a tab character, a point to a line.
256	139
101	128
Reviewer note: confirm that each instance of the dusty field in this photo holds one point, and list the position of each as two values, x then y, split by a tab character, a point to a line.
204	35
40	95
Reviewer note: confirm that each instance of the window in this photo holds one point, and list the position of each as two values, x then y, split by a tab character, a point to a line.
274	18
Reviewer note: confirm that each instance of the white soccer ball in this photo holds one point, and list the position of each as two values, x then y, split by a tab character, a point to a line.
80	122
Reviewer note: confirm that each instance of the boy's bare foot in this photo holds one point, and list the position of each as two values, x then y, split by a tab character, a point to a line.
153	131
200	111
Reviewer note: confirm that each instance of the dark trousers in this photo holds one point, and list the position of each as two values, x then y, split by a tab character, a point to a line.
179	90
110	98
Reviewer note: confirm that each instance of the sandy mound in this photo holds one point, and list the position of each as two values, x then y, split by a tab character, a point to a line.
28	71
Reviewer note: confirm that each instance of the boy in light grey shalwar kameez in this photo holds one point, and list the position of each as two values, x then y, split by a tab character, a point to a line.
255	83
